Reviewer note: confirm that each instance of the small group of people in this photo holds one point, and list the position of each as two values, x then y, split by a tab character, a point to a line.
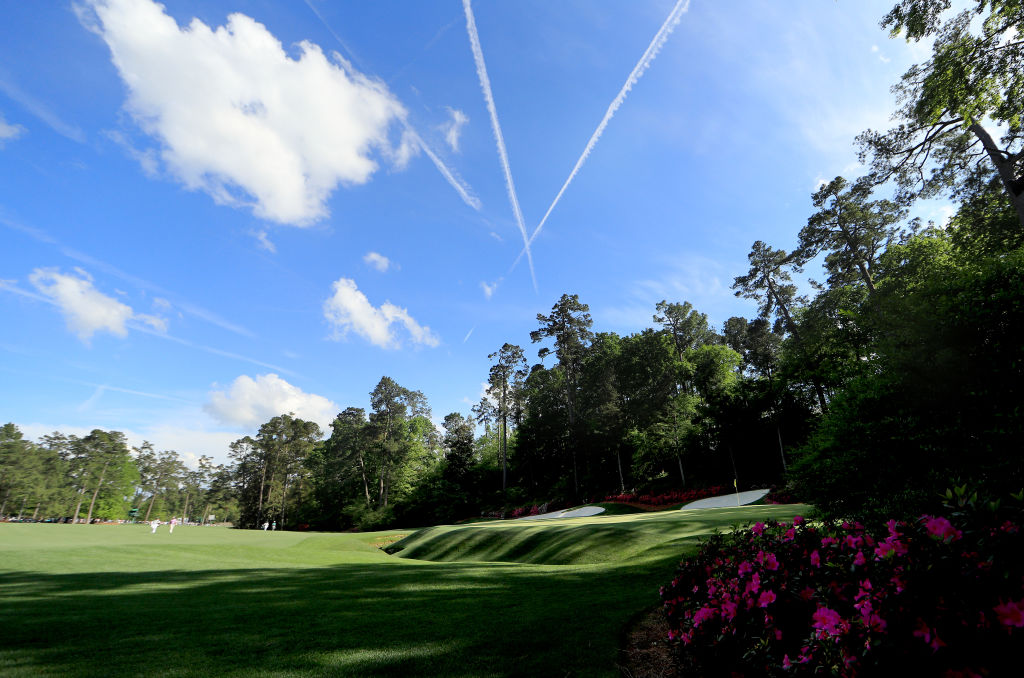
155	523
272	526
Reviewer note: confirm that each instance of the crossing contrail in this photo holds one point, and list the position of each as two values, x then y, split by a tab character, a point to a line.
674	17
464	191
485	85
460	186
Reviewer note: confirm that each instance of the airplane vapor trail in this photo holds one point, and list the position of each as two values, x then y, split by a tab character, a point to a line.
659	40
460	186
485	85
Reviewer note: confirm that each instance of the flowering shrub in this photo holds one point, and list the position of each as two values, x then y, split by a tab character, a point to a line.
525	511
927	597
779	497
668	498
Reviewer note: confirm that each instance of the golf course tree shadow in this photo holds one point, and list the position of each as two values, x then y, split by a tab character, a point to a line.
353	619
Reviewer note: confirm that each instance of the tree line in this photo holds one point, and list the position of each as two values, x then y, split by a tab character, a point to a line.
98	477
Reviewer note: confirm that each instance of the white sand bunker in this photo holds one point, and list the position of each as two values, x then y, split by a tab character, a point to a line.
574	513
726	500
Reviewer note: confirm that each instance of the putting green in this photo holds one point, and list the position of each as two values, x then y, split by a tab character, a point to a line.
93	600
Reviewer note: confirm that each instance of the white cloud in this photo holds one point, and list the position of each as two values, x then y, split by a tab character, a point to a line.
238	118
489	289
348	309
453	128
250	402
85	309
9	131
377	261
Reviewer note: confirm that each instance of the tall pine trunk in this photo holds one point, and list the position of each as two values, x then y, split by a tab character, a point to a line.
96	492
78	506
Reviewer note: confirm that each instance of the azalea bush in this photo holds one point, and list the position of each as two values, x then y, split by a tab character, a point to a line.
668	498
930	597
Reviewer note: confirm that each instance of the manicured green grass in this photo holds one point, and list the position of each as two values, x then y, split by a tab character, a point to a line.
79	600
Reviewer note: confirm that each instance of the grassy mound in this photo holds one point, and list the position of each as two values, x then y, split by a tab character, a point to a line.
577	541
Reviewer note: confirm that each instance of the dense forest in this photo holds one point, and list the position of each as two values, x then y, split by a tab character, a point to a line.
890	375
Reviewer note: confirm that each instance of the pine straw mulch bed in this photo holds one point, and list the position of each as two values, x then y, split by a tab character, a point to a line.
645	651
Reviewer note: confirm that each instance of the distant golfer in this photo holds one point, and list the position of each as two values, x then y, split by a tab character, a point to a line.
274	526
174	521
265	526
154	524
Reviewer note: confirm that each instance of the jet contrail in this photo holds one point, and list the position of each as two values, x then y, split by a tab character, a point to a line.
463	189
460	186
674	17
485	85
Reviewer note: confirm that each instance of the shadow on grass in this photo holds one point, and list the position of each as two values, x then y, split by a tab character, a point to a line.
394	619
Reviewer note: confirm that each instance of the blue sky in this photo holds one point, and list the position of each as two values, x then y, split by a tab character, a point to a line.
215	212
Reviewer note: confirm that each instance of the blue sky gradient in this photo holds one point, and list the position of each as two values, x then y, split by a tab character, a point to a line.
214	212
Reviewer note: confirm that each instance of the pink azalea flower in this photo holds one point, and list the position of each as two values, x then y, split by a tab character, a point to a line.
827	621
786	664
728	611
815	559
758	529
797	520
766	598
859	559
940	528
703	614
745	568
1011	613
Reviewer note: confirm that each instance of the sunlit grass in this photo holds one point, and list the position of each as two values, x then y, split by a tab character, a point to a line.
79	600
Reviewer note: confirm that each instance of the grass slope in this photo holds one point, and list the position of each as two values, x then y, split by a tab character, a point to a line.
79	600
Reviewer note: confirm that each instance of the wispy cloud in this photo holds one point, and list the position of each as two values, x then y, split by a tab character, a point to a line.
453	128
377	261
145	329
9	131
97	264
485	85
468	334
489	288
659	40
85	309
88	311
264	242
40	110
